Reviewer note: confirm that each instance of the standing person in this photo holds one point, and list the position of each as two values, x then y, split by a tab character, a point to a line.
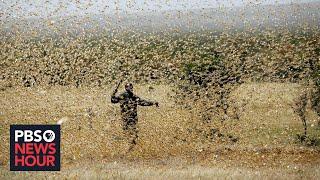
128	104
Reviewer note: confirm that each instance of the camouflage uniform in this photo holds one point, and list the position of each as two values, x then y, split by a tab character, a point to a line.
128	103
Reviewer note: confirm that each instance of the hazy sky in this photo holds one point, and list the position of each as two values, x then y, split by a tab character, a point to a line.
51	8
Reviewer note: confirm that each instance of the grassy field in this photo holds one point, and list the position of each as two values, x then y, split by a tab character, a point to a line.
170	145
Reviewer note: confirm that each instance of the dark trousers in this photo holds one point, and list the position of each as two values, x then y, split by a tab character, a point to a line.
130	129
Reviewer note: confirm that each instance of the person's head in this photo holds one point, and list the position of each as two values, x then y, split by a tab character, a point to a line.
129	87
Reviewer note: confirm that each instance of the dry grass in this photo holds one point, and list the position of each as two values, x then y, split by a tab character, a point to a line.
120	170
169	145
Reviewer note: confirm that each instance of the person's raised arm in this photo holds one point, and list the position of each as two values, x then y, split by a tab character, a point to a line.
114	98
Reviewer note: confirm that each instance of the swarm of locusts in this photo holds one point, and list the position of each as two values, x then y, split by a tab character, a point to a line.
204	68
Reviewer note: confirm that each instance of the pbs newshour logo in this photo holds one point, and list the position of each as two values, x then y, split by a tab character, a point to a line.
35	147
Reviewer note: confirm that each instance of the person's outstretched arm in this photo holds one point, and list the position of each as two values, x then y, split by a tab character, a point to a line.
143	102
